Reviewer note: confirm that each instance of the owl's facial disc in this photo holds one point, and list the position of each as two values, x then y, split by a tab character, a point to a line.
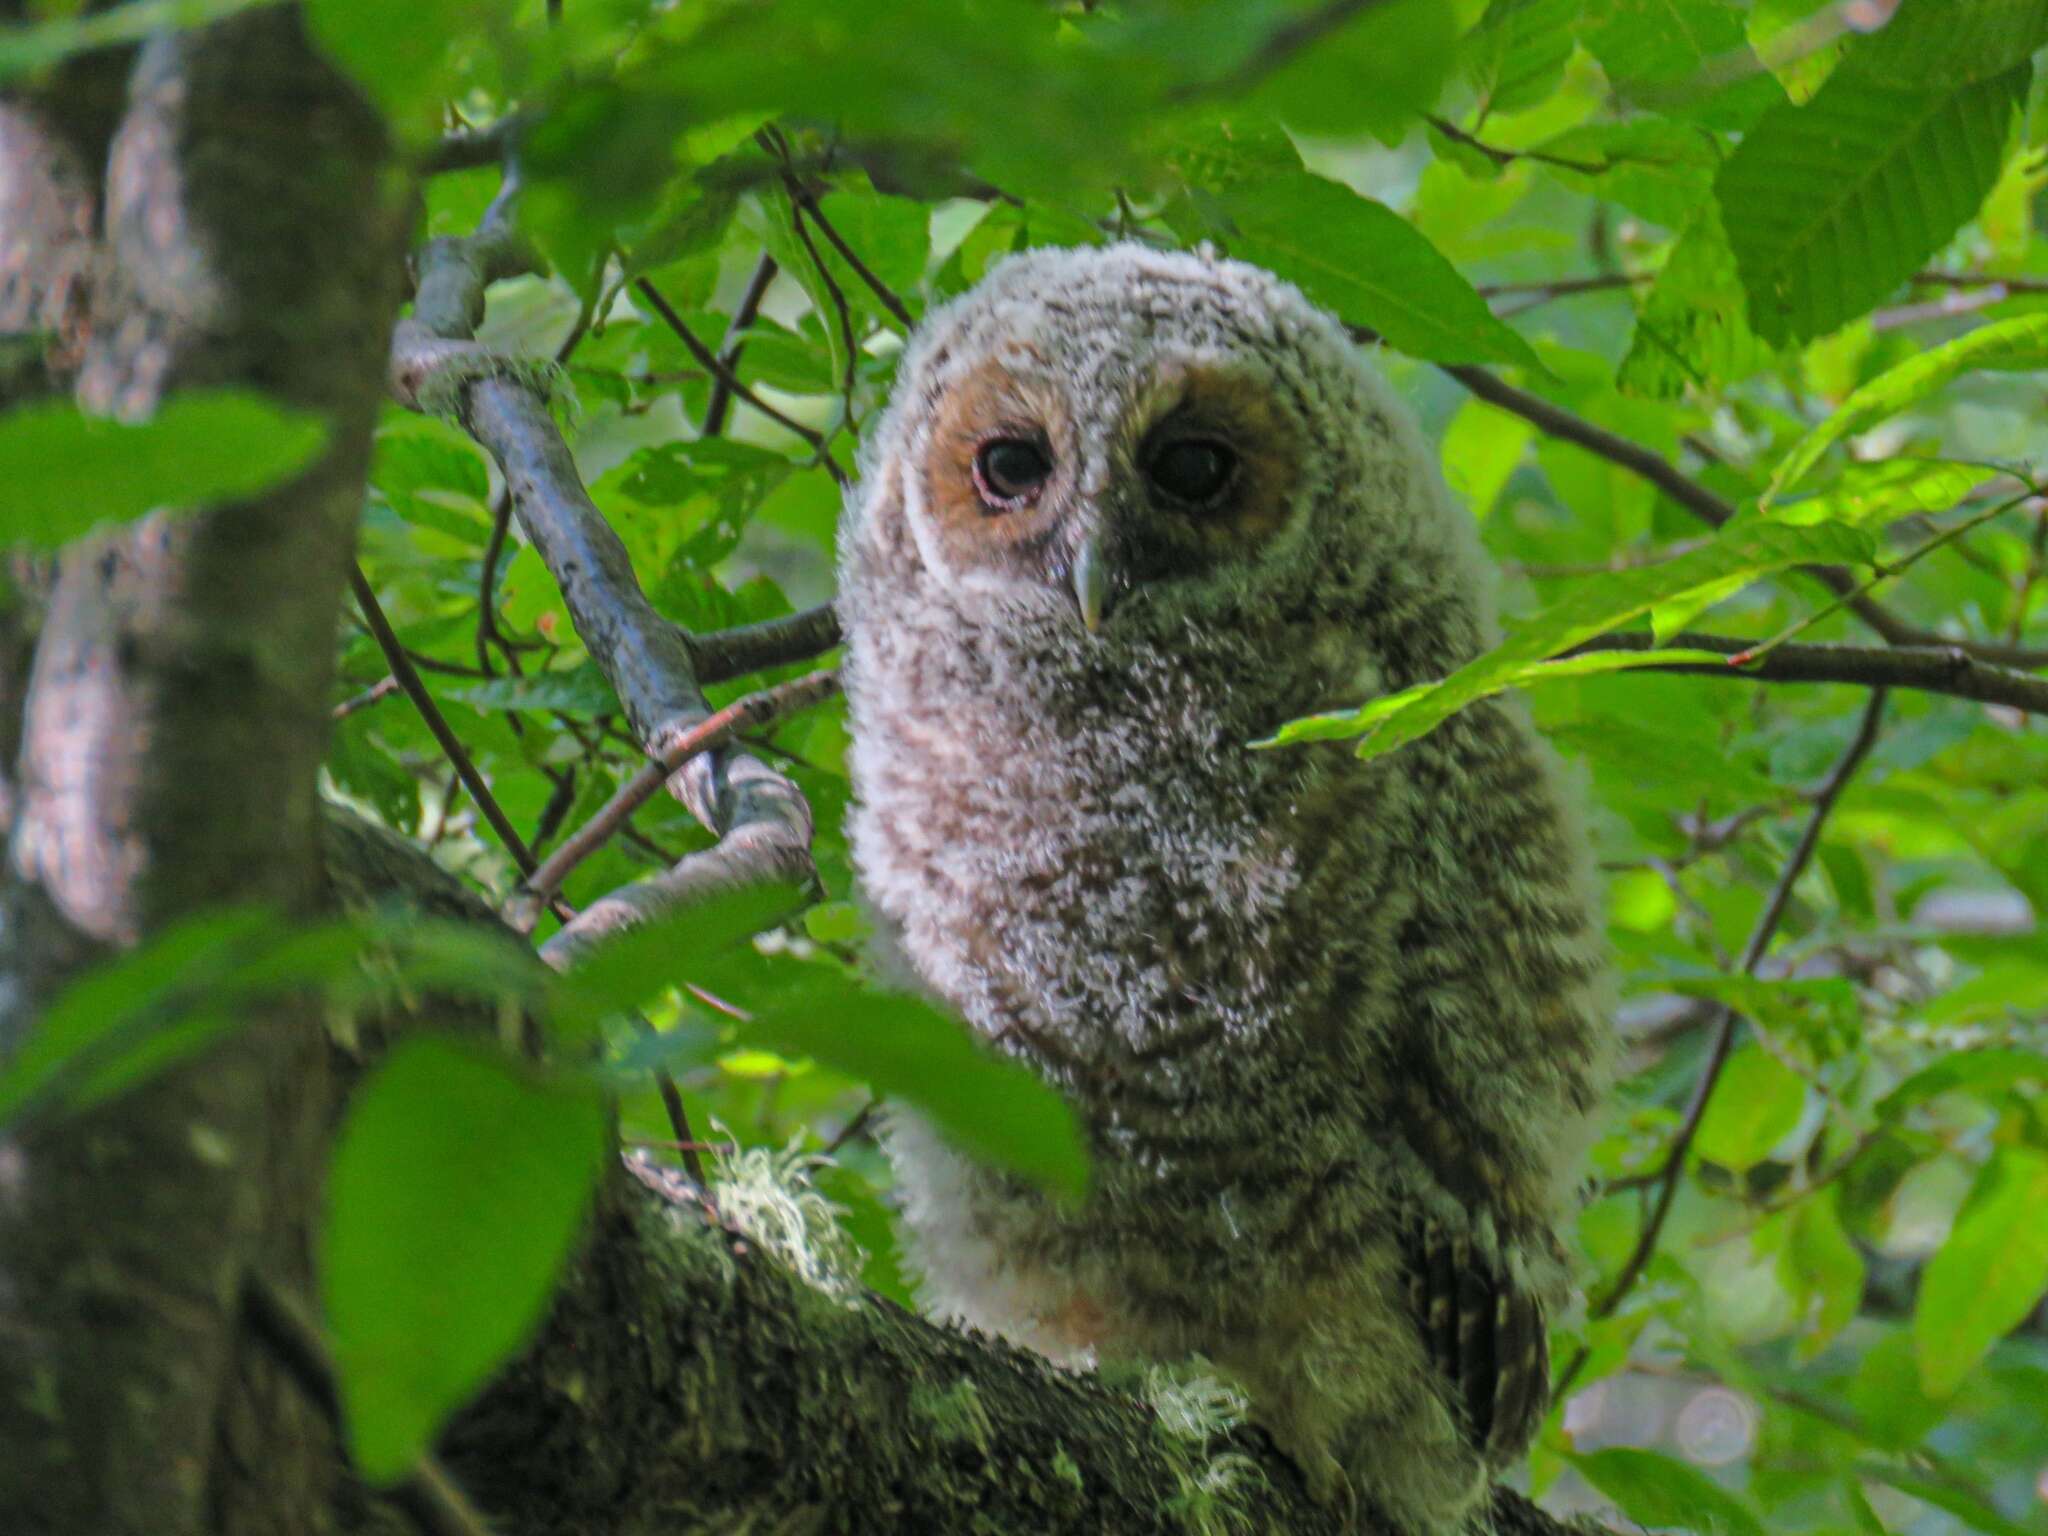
1041	482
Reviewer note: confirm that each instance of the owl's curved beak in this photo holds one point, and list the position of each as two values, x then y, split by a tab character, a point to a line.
1092	584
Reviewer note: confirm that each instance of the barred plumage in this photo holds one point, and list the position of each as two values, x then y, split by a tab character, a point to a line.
1334	1027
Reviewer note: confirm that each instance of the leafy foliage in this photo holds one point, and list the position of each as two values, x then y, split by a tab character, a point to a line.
1785	246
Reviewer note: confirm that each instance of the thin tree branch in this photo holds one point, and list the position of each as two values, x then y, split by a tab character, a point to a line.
1980	280
437	723
1672	1171
1506	157
802	196
376	693
1712	510
713	731
728	653
472	148
1945	669
709	362
720	403
761	820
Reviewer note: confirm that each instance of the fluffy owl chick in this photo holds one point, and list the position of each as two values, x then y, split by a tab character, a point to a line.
1333	1027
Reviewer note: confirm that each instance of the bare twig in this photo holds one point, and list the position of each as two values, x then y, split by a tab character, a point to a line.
472	148
1672	1170
1946	669
1980	280
376	693
429	1497
437	723
711	732
1505	157
720	403
729	653
708	361
802	196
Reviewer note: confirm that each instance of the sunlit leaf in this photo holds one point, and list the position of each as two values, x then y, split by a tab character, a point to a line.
66	471
1757	1103
2017	346
1989	1275
1657	1491
1369	265
458	1185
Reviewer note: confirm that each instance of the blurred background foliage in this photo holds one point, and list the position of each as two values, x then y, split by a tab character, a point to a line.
1700	225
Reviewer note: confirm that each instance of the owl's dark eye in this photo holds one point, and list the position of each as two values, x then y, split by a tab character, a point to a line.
1194	470
1009	471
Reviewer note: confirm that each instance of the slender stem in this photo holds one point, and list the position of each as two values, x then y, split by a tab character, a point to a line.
713	731
720	403
376	693
711	365
1884	572
803	197
728	653
1761	934
451	746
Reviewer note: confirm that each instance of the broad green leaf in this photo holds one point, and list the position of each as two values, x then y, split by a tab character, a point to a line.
995	1109
1366	263
2012	346
1830	206
1977	1513
1656	1491
117	1009
1757	1103
1662	39
1672	615
1693	328
1990	1273
27	48
1481	448
66	471
458	1186
636	965
1990	1072
1827	1270
1953	42
1516	55
397	50
1348	723
1595	606
1871	495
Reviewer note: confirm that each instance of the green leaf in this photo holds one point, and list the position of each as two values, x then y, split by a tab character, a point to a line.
458	1186
1953	42
1748	546
25	49
1757	1103
2012	346
1827	1272
1693	327
1990	1073
1656	1491
1481	448
1830	206
1990	1273
397	50
632	967
1369	265
1662	39
117	1010
66	471
1873	494
994	1109
1517	53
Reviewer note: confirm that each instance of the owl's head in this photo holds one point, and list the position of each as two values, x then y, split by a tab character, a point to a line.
1112	441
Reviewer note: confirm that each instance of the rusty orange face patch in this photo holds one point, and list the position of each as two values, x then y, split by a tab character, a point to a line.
993	401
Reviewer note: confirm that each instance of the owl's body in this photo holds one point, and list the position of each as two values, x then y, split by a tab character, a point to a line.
1333	1027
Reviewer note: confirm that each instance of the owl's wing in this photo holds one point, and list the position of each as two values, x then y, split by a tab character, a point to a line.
1486	1333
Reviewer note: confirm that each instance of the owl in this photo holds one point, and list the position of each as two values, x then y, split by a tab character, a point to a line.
1333	1028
